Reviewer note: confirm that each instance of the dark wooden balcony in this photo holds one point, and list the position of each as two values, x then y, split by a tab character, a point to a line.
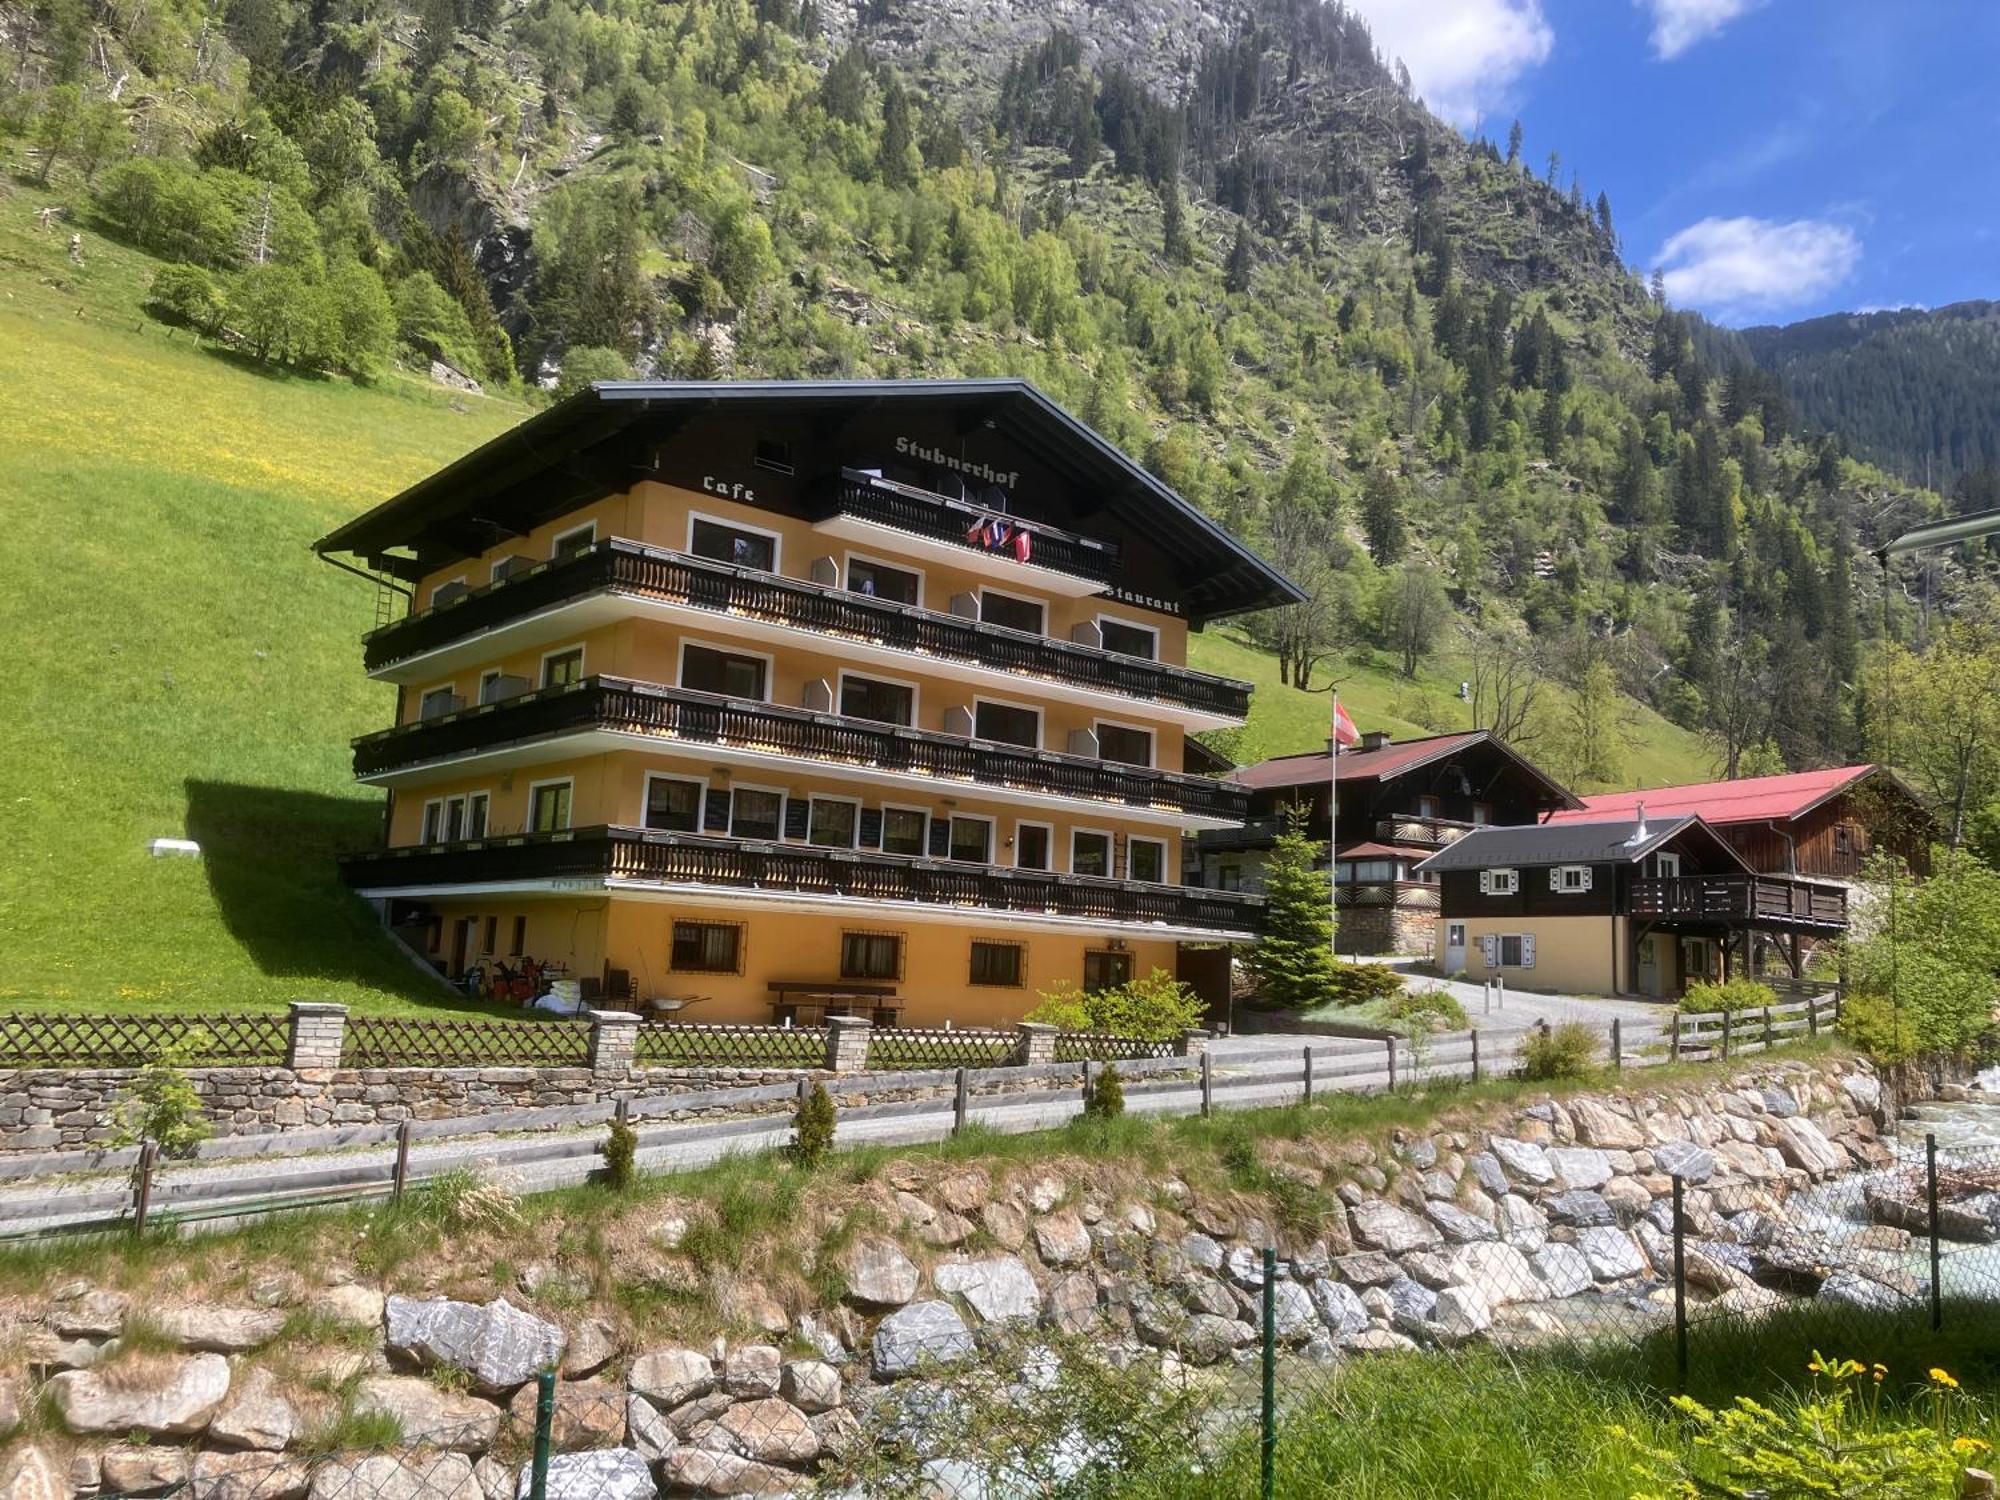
1414	828
635	856
1741	900
624	567
682	715
941	519
1405	895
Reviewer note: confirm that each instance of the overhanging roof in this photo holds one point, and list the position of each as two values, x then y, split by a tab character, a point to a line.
1532	845
1748	799
1397	758
545	463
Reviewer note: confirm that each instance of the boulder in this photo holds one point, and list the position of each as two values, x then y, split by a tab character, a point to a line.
647	1431
131	1469
1803	1145
1851	1289
669	1377
1061	1240
498	1345
771	1432
385	1476
697	1471
1202	1252
222	1330
1498	1272
255	1415
165	1396
1597	1124
1521	1224
1580	1166
1564	1270
1461	1312
812	1385
1208	1340
433	1418
1486	1170
1524	1160
1579	1209
1244	1266
1292	1314
913	1335
1865	1090
1379	1341
1339	1308
751	1371
609	1474
89	1313
1612	1253
878	1274
1366	1268
1410	1304
1006	1223
349	1302
998	1288
250	1475
588	1414
13	1398
31	1472
1685	1160
593	1344
1460	1227
1381	1225
1627	1196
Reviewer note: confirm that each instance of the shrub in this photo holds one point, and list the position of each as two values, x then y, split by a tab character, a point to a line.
583	366
1357	984
187	295
1155	1006
1884	1031
1107	1095
1425	1011
812	1132
1567	1051
163	1106
1704	998
621	1148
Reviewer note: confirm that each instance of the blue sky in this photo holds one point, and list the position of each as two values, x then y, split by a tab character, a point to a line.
1779	158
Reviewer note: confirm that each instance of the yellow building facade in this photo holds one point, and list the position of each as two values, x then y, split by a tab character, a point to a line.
755	701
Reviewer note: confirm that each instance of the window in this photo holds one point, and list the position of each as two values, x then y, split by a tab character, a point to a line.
561	668
1089	853
1129	640
576	539
492	936
1229	877
1570	880
773	455
1843	838
1104	970
454	819
729	673
972	839
997	964
1031	846
450	589
1366	871
1146	859
904	830
831	822
518	944
1427	807
1007	723
1012	612
1126	746
1510	950
433	823
707	948
880	581
871	955
439	700
1499	882
733	544
673	805
548	807
1666	866
871	698
1481	814
475	817
755	814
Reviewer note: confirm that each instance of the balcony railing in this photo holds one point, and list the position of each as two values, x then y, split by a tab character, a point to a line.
626	567
1413	828
610	703
941	519
683	859
1741	898
1406	895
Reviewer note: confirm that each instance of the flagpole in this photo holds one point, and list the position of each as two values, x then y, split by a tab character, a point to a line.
1333	827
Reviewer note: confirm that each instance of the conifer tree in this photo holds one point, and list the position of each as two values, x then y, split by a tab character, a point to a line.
1242	256
1382	517
1293	960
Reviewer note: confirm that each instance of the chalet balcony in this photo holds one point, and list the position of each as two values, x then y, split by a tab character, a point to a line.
616	578
1404	895
1257	833
695	869
861	507
1742	900
1430	833
608	713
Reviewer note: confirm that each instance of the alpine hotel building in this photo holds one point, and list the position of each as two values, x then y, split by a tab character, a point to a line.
771	698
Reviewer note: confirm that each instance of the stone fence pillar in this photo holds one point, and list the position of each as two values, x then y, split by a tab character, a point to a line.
847	1043
1034	1044
318	1033
1194	1042
614	1036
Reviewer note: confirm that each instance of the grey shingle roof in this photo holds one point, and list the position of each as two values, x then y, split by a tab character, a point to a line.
1535	844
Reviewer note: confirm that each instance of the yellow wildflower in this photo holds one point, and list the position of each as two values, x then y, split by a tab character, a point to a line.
1943	1379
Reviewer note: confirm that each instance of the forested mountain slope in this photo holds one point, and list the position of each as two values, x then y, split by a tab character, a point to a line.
1410	366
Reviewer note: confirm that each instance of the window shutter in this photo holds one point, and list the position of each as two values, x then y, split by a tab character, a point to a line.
940	838
1489	946
1587	873
1527	950
1485	882
1556	879
715	812
871	828
796	810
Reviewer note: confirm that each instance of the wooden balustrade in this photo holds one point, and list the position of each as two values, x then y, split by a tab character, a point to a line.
1740	898
940	518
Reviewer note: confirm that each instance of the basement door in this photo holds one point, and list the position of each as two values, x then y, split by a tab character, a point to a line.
1454	948
1649	965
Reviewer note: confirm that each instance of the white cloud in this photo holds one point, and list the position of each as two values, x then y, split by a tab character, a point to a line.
1679	24
1463	55
1745	265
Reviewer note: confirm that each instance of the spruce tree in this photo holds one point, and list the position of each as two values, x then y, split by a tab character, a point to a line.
1242	257
1293	960
1382	517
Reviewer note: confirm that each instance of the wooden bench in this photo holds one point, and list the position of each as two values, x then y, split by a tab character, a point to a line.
809	1003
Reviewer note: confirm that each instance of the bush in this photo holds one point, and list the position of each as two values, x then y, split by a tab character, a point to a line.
1425	1011
812	1133
1879	1028
187	295
1703	998
621	1148
163	1106
1568	1051
1107	1095
1156	1007
581	367
1357	984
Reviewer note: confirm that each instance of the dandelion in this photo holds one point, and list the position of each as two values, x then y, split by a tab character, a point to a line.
1942	1380
1968	1447
1879	1371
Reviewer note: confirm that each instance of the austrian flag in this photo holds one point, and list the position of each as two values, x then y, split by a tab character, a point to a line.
1344	732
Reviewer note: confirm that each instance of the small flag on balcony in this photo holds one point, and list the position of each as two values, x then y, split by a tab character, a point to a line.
1022	546
1344	732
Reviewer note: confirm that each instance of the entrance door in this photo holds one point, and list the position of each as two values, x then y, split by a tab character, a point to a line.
461	943
1694	960
1454	947
1649	965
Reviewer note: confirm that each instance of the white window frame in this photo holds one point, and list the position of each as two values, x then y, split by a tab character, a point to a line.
1661	862
582	663
1049	829
849	559
1152	735
777	538
485	799
992	834
1129	624
923	839
1570	880
1041	719
445	583
854	802
646	798
1041	604
431	823
569	534
725	648
1132	841
751	786
916	693
535	787
450	688
1503	880
490	674
1110	851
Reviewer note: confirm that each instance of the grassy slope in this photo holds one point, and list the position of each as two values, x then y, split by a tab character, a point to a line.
194	671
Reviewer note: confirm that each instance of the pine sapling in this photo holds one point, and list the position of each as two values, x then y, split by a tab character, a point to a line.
812	1137
1107	1095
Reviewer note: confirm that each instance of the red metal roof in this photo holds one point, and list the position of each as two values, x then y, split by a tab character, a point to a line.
1311	769
1749	799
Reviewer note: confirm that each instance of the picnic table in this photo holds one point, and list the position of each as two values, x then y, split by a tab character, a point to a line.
810	1002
